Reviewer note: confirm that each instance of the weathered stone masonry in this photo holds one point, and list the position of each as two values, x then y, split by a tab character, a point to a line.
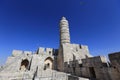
68	62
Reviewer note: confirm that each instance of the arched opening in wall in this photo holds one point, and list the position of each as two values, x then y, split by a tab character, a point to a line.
48	63
92	72
24	65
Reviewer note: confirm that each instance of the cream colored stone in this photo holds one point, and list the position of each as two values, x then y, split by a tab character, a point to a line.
55	64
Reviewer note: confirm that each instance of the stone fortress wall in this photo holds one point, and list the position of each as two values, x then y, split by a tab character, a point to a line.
98	68
90	67
68	62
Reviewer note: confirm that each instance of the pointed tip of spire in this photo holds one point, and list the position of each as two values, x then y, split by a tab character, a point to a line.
63	18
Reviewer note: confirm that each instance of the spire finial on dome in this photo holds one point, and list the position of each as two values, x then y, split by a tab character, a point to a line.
63	18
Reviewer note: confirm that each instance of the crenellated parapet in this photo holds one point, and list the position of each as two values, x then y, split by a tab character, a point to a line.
16	53
45	51
97	61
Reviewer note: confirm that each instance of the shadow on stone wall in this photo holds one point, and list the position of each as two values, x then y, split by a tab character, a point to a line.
95	67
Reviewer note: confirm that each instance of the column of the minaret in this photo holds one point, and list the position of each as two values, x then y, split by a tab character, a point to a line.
64	31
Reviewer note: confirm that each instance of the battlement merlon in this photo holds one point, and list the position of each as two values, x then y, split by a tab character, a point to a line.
114	58
97	61
42	50
77	47
16	53
28	52
80	46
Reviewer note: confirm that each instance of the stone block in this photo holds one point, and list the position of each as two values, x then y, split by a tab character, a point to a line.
16	53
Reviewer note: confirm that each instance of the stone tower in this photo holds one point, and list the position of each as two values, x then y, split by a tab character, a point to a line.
64	40
68	52
64	31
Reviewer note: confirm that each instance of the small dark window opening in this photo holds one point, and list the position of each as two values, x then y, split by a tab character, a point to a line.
68	66
48	64
114	67
80	65
92	72
105	64
45	67
50	52
80	46
27	54
37	52
74	70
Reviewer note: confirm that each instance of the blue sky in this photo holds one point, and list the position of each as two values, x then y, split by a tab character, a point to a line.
29	24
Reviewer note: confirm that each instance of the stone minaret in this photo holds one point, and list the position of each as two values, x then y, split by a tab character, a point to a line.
64	31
